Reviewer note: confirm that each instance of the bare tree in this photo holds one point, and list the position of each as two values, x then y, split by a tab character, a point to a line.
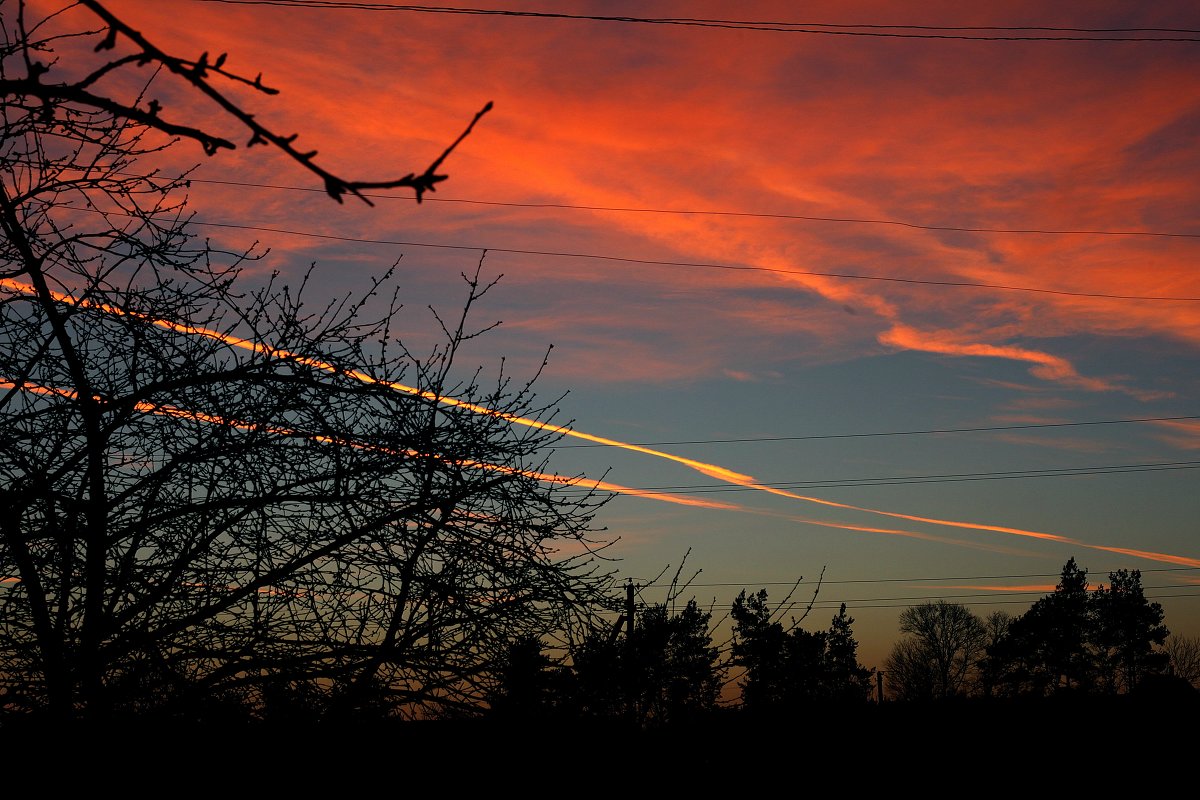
909	671
1184	654
215	494
940	653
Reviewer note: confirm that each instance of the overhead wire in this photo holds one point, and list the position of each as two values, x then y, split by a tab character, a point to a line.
720	213
711	265
691	264
828	582
973	33
997	594
922	432
995	597
871	603
903	480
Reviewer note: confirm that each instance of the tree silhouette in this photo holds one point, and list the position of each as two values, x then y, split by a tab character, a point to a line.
998	624
788	668
1127	628
663	671
760	647
910	672
940	654
846	679
601	686
529	685
1183	653
674	664
219	495
1078	641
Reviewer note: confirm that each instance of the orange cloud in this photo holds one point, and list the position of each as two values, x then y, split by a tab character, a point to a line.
649	133
1046	366
1032	587
1061	443
1183	434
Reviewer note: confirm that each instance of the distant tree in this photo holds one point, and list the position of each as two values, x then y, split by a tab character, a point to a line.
759	647
1127	629
1183	653
1047	649
909	672
600	686
665	669
788	668
940	652
1076	640
528	683
846	680
674	663
998	624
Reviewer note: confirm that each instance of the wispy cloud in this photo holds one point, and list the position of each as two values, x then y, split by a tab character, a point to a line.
1044	365
1183	434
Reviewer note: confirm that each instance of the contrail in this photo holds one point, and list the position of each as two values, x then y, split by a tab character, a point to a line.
704	468
164	409
214	419
1149	555
711	470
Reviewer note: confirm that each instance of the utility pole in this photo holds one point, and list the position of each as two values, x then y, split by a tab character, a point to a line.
630	679
879	686
629	607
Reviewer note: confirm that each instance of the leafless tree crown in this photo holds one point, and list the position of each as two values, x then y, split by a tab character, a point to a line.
217	495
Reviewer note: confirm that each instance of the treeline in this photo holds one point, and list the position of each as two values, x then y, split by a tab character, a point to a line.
666	669
1076	642
661	666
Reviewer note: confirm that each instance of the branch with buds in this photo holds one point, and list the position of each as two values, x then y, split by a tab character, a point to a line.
199	73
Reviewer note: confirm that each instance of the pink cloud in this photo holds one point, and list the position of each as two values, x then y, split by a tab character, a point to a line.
1183	434
669	119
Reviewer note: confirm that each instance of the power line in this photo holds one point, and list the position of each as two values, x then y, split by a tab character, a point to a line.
825	605
974	33
999	593
999	599
686	264
718	213
929	431
645	585
834	483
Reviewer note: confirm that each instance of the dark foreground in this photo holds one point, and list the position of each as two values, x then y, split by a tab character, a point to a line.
976	746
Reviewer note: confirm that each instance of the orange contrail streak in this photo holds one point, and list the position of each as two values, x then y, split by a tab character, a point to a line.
1149	555
711	470
1030	587
1053	537
1152	556
214	419
174	411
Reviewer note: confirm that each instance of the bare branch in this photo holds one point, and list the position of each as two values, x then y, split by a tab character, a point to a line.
197	73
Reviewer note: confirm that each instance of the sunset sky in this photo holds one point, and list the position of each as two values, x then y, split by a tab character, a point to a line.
752	248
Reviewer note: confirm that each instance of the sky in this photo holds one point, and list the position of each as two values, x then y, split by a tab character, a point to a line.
926	291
